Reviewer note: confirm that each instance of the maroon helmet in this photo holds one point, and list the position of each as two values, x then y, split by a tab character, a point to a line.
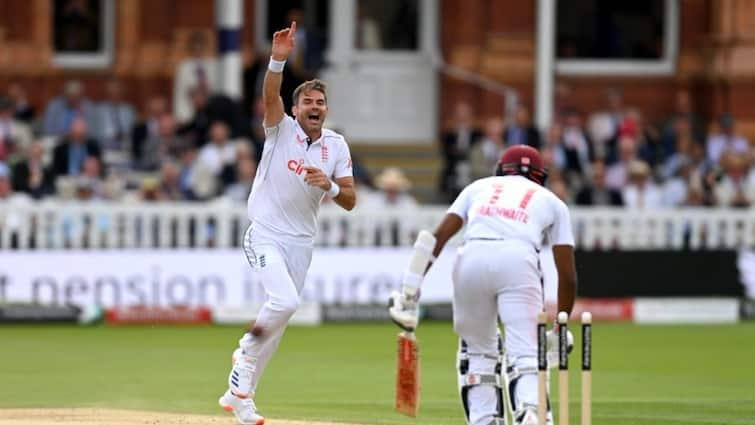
522	160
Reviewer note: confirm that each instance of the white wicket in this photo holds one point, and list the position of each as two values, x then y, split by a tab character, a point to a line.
563	366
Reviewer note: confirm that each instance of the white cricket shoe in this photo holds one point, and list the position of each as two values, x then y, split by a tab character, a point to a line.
243	408
529	417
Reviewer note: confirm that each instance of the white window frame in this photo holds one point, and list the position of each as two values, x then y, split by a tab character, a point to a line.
103	58
666	65
343	46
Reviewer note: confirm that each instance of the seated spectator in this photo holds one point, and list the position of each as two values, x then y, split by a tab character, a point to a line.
394	188
71	152
22	110
154	109
521	131
64	109
162	146
558	186
596	193
149	191
485	154
616	174
456	143
186	172
209	109
11	214
15	135
577	148
31	176
737	187
604	124
204	184
649	146
170	182
682	150
676	188
197	182
696	196
726	140
683	111
88	189
197	72
116	117
238	191
641	192
219	154
92	168
554	148
195	131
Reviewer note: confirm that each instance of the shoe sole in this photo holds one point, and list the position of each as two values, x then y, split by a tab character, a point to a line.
229	409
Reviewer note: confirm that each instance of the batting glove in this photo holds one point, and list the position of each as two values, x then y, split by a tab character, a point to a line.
403	307
552	343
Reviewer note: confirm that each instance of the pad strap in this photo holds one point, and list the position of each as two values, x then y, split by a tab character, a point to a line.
513	373
472	379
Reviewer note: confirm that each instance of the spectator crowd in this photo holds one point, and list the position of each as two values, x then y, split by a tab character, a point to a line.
201	145
614	156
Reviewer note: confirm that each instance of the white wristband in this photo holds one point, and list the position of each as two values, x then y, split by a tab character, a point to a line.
334	189
275	65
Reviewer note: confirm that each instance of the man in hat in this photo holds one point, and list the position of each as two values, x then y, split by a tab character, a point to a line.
394	187
640	191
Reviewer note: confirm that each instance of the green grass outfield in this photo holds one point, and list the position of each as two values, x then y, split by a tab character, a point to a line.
660	375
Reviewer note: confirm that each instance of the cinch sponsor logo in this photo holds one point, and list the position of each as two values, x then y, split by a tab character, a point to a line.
295	166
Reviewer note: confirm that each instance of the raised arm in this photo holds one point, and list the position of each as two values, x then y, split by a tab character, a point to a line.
283	44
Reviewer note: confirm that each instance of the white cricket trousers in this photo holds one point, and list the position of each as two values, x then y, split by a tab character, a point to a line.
281	267
492	279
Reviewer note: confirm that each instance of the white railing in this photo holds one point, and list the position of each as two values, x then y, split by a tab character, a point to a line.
59	225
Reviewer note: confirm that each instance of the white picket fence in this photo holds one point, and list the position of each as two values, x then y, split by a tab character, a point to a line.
58	225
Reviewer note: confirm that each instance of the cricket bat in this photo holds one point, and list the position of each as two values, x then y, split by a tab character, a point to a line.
407	374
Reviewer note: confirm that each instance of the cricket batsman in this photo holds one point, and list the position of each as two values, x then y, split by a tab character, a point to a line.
508	217
301	163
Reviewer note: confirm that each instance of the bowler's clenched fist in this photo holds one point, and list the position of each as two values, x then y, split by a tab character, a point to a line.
315	177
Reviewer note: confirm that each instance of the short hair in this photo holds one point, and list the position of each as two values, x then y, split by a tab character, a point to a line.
306	86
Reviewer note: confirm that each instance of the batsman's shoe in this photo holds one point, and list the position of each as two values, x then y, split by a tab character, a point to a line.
529	417
243	408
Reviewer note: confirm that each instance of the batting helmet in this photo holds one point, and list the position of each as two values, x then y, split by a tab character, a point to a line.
524	161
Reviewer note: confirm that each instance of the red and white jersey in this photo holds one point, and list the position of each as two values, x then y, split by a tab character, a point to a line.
513	207
281	203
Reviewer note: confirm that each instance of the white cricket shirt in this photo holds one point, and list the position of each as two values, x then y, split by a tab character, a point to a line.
281	203
513	207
